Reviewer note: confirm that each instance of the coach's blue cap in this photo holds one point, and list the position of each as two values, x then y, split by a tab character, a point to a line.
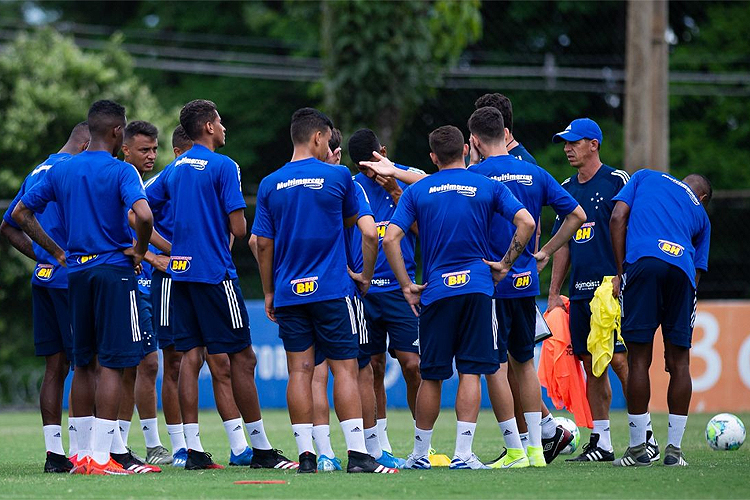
582	128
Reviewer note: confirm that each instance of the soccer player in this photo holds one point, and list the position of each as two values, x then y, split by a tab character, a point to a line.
206	203
301	213
453	210
93	190
660	237
503	104
49	291
391	324
515	297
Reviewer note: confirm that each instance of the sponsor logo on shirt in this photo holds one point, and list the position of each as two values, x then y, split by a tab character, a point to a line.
522	281
583	286
381	227
525	179
196	163
86	258
179	264
144	282
456	279
44	271
305	286
309	182
469	191
381	282
585	233
671	249
41	168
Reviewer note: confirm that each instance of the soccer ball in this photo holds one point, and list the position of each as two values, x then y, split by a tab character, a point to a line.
725	432
573	428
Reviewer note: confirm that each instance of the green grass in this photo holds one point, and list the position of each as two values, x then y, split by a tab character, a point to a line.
710	474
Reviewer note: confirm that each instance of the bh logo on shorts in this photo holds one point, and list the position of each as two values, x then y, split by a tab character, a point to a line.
179	264
584	233
86	258
305	286
44	271
381	227
671	249
456	279
522	281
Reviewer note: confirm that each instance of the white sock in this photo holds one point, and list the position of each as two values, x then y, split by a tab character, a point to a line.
509	430
524	440
73	423
257	434
534	424
53	438
85	429
464	438
303	436
236	434
354	435
601	427
192	436
176	437
383	434
124	426
322	436
422	440
372	443
101	439
150	429
637	425
676	429
549	427
117	446
651	438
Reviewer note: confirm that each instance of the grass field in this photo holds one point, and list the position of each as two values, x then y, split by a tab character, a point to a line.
710	474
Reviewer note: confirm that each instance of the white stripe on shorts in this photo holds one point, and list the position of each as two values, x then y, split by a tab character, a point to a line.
166	292
494	325
134	322
352	318
361	321
234	308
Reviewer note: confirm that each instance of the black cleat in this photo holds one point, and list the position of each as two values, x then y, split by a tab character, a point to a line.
271	459
362	462
652	449
197	460
554	445
635	456
502	454
57	463
131	462
592	452
308	463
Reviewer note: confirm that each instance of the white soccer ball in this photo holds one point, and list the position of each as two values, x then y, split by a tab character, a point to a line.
725	432
573	428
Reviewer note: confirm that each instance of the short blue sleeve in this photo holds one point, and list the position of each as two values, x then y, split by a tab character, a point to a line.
231	188
701	245
506	204
156	190
351	205
131	185
263	224
405	214
363	201
7	217
556	196
41	193
627	193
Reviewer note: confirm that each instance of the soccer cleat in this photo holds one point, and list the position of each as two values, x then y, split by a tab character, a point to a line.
308	463
673	457
554	445
389	460
362	462
413	462
536	456
514	458
80	465
635	456
502	454
652	448
130	462
592	452
271	459
135	455
244	458
197	460
111	468
472	462
179	458
158	455
327	464
56	463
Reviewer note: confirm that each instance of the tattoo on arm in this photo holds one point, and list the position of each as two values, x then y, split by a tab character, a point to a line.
514	251
31	226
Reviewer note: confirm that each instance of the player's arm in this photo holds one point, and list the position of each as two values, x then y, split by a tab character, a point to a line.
618	228
144	225
253	244
385	168
18	239
265	248
366	226
525	227
237	223
26	219
392	247
572	222
560	265
157	239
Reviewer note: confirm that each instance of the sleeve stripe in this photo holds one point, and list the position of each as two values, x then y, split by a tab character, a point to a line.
622	175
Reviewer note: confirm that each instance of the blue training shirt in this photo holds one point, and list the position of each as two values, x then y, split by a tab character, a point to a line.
667	221
353	236
204	188
591	256
454	209
535	188
301	206
94	192
522	153
383	208
161	205
48	272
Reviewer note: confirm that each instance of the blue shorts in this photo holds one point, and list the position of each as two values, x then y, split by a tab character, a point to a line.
51	321
657	293
161	303
580	326
389	316
363	359
147	326
516	320
210	315
104	315
330	325
463	327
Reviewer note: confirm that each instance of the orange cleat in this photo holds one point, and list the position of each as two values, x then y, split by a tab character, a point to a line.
111	468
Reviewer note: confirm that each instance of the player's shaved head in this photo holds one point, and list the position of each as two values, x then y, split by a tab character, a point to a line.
447	143
140	127
180	139
700	185
306	122
103	116
487	124
499	102
194	116
80	133
361	145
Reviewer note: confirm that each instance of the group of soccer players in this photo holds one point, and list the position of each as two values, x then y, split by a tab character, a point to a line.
336	255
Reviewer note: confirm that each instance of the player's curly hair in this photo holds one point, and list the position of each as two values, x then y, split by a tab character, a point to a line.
180	139
103	116
361	145
140	127
195	114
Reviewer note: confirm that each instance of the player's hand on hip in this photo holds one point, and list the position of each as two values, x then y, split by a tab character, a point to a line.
499	270
270	309
363	284
616	286
60	258
542	259
383	167
137	259
161	262
554	301
413	295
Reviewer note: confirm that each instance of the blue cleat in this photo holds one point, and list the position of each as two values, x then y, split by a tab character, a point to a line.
179	459
243	458
388	460
326	464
